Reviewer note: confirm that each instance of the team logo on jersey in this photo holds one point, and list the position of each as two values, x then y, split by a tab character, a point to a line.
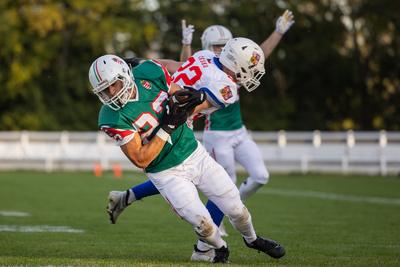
146	84
255	58
226	93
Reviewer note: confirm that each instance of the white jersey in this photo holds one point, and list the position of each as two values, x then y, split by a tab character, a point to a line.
203	71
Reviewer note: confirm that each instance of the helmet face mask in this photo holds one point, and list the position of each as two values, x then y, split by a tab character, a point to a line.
106	71
246	59
215	35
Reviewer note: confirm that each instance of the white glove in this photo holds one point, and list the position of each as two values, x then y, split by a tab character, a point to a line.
284	22
187	33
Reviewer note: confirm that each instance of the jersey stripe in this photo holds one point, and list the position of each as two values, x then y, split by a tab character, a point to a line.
208	92
217	62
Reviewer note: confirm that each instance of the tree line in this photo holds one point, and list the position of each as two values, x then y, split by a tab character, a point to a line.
337	68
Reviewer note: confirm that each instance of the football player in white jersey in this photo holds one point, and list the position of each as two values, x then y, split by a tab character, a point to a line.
225	137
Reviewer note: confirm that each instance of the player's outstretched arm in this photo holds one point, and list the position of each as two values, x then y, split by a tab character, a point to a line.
187	37
283	24
171	65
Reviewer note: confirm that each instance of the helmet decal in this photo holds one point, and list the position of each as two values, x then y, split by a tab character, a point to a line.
119	61
96	72
255	58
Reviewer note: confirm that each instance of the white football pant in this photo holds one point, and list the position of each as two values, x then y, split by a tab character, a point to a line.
178	185
226	147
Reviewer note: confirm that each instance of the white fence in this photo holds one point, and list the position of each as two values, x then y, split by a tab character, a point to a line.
337	152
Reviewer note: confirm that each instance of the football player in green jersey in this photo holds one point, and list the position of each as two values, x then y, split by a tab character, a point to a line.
153	134
225	136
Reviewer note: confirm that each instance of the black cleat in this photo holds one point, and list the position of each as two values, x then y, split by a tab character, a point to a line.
268	246
221	255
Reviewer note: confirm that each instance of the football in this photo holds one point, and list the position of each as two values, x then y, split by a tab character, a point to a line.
182	99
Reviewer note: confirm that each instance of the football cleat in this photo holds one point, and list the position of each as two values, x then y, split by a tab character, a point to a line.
199	255
117	202
221	255
268	246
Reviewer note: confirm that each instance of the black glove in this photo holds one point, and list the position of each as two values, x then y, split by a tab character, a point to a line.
174	116
133	61
188	98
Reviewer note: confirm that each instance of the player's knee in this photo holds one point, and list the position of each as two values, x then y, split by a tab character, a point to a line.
205	228
241	217
260	177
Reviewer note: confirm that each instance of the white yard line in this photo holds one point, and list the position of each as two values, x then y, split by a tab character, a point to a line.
13	213
39	229
330	196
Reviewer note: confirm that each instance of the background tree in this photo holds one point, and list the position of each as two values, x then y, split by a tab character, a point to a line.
337	68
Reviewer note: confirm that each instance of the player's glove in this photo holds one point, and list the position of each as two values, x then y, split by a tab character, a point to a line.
284	22
133	61
187	33
174	116
188	98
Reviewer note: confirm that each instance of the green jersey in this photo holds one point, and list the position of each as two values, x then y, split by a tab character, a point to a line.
226	119
143	115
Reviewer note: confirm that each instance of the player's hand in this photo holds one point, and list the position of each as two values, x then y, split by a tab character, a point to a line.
133	61
187	33
174	116
284	22
188	98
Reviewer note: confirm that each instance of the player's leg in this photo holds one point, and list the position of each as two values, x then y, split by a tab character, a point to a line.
241	220
177	187
219	188
249	156
119	200
219	145
143	190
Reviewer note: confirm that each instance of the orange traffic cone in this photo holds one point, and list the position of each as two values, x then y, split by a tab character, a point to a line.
117	170
97	170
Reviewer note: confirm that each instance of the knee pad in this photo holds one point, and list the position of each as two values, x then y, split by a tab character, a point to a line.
248	188
261	177
241	217
242	223
229	203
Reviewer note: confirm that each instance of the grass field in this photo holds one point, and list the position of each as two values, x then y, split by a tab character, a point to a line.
322	220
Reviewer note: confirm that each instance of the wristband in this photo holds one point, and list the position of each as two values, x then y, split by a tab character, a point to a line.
163	134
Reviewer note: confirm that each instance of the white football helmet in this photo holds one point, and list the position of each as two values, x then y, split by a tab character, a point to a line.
215	35
105	71
246	59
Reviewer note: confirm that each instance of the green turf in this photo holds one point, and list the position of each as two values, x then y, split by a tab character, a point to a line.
343	231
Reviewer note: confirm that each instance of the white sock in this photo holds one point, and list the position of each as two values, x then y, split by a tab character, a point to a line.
203	246
214	240
131	197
